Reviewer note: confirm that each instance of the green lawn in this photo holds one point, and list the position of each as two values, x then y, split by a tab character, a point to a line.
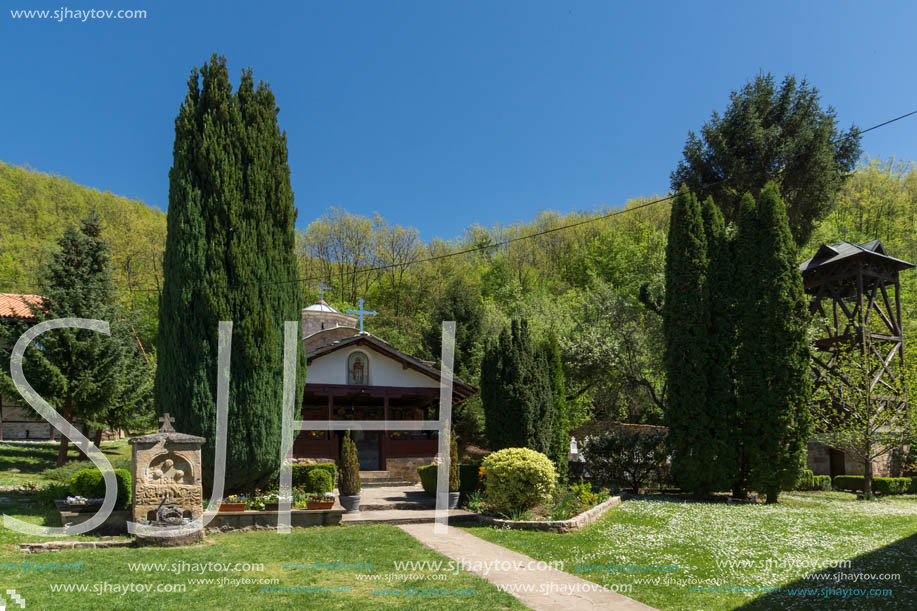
105	573
23	462
777	545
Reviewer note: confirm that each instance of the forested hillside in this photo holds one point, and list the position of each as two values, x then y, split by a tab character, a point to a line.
36	210
597	285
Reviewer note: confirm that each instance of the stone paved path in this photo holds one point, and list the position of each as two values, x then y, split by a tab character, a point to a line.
551	589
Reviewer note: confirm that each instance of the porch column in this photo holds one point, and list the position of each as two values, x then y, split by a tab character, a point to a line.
383	452
332	438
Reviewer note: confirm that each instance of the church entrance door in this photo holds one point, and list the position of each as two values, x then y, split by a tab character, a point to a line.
368	453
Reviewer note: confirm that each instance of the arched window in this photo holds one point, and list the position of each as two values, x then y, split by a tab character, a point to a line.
358	369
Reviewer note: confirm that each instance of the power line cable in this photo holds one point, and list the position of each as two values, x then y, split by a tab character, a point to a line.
502	243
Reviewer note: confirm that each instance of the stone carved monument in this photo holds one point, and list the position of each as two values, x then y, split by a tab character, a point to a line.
167	495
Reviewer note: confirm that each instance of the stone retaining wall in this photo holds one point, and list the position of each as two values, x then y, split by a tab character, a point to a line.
229	521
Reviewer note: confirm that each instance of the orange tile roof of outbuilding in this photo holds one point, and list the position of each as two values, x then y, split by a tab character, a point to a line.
17	306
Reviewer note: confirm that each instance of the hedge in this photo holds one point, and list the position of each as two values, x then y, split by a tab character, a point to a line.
319	481
880	485
809	481
822	482
301	474
470	480
90	484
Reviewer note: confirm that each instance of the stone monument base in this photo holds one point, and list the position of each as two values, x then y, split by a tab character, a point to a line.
191	538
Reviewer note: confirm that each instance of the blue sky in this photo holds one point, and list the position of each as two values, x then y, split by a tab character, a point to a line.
442	114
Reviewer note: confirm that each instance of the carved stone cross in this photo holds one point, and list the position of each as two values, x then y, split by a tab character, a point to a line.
166	421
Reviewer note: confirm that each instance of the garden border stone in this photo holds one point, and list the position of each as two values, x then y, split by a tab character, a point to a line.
560	526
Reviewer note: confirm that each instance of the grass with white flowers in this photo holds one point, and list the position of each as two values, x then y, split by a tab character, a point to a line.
820	550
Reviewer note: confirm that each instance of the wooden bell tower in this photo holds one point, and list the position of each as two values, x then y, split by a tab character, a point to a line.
855	289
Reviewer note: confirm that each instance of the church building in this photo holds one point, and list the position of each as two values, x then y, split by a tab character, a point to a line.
354	375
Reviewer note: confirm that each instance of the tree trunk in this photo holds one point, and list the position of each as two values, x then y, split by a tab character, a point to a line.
739	486
84	447
867	478
772	494
98	439
64	440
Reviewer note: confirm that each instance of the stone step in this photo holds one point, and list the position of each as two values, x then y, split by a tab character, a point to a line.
403	506
390	483
375	475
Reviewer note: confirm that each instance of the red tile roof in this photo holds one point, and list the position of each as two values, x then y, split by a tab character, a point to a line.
17	306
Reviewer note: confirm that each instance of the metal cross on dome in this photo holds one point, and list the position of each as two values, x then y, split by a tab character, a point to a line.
322	286
361	312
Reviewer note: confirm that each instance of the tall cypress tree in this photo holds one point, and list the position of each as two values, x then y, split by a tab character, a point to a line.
560	442
747	296
685	329
516	392
229	256
774	388
721	338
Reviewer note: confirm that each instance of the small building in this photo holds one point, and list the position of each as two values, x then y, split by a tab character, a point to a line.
354	375
18	421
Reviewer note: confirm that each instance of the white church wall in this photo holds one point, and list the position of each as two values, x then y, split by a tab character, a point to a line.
383	370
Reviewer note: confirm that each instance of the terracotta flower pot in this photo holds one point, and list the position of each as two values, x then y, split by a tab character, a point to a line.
319	505
225	507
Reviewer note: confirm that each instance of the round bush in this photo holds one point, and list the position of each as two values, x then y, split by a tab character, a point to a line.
319	481
90	484
518	479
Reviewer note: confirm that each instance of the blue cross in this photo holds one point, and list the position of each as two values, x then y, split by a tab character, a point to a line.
322	287
361	312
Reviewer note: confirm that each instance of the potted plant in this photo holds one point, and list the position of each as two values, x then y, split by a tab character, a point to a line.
454	474
349	486
233	502
272	501
320	501
79	504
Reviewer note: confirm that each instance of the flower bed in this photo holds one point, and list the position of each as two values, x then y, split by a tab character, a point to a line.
560	526
564	504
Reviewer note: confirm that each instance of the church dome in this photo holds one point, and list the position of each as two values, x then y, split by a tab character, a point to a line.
320	317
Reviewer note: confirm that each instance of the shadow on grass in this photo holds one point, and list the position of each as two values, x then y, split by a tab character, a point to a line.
28	457
834	588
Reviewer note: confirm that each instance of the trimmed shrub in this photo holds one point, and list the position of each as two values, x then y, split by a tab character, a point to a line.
880	485
469	479
350	468
301	474
806	480
628	458
454	477
518	479
318	481
822	482
66	472
90	484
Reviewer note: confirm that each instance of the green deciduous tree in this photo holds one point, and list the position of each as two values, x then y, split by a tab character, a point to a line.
863	417
770	132
229	256
685	328
772	360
